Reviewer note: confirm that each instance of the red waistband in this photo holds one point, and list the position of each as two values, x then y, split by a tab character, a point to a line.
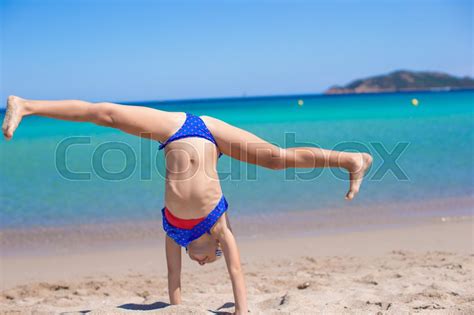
186	224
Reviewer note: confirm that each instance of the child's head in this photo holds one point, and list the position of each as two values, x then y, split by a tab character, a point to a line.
204	249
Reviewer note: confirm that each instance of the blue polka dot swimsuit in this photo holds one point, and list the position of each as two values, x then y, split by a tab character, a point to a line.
193	126
183	237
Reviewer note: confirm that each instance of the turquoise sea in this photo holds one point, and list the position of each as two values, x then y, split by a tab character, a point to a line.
436	163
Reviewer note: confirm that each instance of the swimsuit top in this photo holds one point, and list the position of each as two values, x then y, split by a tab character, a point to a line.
193	126
185	236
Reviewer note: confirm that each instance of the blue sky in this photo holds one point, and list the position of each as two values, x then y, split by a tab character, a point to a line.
158	50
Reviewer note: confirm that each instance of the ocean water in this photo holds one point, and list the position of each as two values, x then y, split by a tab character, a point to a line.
108	176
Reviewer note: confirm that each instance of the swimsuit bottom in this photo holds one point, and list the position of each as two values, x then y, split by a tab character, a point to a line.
184	231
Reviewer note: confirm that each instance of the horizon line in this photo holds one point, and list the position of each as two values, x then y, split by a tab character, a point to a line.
287	96
274	96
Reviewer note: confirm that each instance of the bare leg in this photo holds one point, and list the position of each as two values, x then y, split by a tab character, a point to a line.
159	125
136	120
245	146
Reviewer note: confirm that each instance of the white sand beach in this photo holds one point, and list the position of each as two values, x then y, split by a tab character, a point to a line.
424	268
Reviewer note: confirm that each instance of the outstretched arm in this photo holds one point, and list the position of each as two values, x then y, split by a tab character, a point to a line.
232	259
173	261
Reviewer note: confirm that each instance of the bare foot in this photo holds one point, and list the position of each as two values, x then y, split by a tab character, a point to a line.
13	116
362	162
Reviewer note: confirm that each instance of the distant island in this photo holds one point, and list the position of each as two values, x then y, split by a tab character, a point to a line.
403	80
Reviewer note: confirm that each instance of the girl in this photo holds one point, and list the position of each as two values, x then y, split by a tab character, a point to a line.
194	214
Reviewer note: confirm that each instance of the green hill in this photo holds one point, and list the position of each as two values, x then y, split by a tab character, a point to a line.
403	80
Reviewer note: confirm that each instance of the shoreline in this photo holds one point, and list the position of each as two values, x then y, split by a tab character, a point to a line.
82	238
345	271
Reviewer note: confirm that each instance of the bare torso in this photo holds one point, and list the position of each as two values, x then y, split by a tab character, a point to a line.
192	187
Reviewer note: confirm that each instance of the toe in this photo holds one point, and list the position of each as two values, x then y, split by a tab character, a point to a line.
8	133
349	195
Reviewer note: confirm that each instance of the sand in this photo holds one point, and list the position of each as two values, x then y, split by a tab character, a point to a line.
423	268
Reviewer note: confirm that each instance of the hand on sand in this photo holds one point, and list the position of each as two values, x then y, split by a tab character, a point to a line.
361	164
13	116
